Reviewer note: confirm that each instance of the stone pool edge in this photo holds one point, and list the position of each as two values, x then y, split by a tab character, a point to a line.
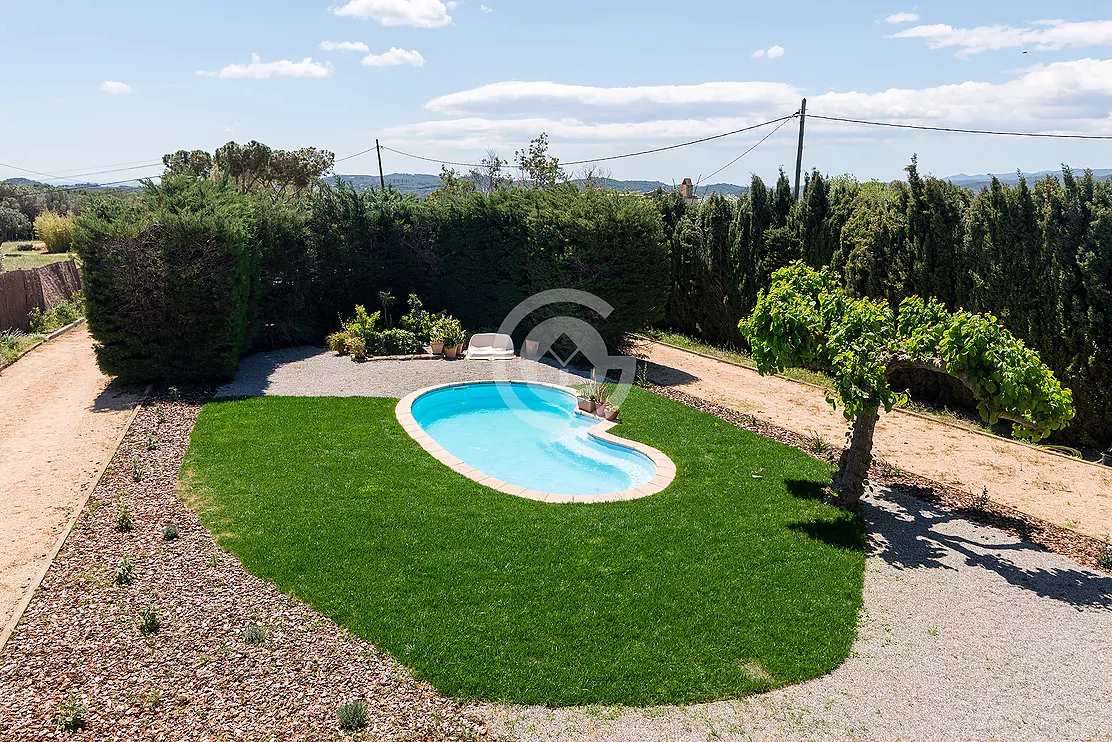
665	468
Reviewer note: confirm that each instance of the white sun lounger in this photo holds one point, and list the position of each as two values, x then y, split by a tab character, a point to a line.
490	346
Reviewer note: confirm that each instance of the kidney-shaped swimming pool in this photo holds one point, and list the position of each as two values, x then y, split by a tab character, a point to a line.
529	435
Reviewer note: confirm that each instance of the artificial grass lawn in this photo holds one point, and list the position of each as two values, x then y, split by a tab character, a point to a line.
723	584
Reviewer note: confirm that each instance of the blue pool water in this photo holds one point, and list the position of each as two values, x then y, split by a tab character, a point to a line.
529	435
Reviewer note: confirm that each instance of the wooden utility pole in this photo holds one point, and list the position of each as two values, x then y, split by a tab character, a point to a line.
382	178
799	152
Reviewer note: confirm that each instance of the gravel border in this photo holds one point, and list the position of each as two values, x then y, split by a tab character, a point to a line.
197	677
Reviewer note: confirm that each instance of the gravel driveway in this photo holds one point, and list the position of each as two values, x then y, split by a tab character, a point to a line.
313	372
967	632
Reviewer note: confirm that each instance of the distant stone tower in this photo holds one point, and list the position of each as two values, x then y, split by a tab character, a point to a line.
687	190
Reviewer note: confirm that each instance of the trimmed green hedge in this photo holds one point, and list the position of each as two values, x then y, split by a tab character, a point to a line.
170	282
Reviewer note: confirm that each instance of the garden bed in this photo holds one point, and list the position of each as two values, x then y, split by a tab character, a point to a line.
199	675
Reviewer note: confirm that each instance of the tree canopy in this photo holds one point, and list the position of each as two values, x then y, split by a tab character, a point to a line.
806	319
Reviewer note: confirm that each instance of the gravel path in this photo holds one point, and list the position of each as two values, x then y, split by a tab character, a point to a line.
59	420
1057	489
313	372
967	633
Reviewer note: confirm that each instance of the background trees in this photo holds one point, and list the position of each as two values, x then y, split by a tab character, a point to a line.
1037	256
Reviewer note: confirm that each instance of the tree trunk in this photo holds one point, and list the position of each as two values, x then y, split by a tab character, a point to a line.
856	458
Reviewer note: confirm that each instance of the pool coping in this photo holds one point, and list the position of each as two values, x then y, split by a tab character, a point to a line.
665	467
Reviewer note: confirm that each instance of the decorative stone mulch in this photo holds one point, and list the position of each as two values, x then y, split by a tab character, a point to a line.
1078	547
197	677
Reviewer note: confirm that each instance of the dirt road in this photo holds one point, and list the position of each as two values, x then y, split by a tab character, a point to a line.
59	423
1068	493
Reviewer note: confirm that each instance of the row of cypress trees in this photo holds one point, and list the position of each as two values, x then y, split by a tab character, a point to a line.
1037	256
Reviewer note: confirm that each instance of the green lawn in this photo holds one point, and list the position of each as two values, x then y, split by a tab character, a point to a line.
14	259
733	580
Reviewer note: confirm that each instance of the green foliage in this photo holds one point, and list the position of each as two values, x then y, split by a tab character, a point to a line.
61	314
363	325
124	521
352	716
125	572
394	341
70	715
170	284
275	174
56	230
338	342
805	318
538	169
448	330
13	343
254	634
1037	257
148	621
357	347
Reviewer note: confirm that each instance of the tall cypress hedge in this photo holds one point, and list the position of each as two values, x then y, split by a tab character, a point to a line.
1039	258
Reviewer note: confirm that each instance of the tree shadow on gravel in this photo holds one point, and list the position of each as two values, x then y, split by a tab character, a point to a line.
668	376
117	397
909	534
253	376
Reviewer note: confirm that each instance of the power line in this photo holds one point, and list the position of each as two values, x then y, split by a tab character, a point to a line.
105	172
682	144
780	120
439	161
743	154
953	130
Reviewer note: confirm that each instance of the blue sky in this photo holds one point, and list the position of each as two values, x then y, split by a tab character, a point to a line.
93	85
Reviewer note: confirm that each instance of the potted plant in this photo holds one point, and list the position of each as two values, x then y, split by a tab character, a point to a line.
611	413
450	332
601	398
588	395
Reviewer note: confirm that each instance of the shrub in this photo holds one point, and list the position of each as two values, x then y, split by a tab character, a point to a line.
125	572
169	284
363	326
253	634
70	716
56	230
337	342
169	532
1104	557
393	342
357	347
152	443
352	716
13	342
61	314
448	330
148	621
418	320
138	472
124	521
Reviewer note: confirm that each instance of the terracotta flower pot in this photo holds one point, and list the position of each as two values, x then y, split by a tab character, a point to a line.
459	350
450	353
587	405
611	413
436	348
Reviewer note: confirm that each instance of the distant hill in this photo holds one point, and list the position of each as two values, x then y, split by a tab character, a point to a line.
977	182
93	187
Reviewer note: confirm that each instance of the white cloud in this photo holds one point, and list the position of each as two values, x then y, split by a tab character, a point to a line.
1041	36
771	52
1073	97
344	46
112	87
422	13
486	8
394	57
260	70
902	18
517	92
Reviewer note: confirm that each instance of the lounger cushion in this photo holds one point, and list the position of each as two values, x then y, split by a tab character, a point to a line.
489	346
